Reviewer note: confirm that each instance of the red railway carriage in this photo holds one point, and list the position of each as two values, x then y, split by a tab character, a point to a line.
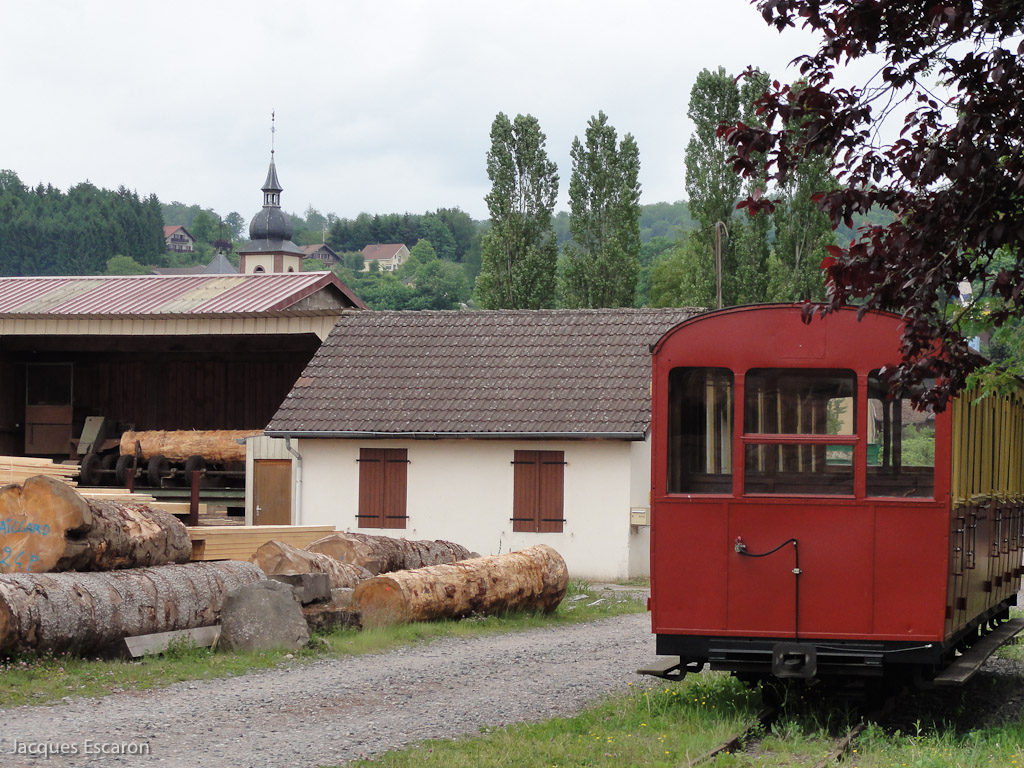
807	524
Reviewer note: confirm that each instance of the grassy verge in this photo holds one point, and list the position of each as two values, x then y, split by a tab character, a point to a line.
670	725
46	678
650	725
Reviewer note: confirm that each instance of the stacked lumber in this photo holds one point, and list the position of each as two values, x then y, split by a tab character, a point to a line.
531	579
240	542
215	445
383	554
17	469
46	525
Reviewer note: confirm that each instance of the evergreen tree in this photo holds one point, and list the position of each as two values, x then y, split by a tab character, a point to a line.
602	262
520	251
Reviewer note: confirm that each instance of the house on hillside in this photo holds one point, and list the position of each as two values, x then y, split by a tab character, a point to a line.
390	256
323	253
498	430
179	239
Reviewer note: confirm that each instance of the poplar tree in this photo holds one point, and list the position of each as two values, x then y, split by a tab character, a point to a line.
712	187
602	262
520	251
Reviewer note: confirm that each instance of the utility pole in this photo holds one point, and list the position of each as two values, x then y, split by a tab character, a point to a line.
719	226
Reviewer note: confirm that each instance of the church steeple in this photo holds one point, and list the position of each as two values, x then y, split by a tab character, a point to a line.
272	187
270	247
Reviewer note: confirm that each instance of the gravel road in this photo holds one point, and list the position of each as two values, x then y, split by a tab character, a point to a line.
328	712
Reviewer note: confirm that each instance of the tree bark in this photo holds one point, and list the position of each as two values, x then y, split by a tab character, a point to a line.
46	525
216	446
277	558
383	554
531	579
81	612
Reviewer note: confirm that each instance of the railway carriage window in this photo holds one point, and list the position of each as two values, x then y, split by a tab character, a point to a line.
799	431
700	408
901	445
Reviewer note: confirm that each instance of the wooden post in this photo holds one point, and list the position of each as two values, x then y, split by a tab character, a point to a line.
193	503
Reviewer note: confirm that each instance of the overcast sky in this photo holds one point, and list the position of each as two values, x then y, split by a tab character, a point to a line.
382	106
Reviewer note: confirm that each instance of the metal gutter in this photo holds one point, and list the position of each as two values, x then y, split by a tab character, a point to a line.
298	479
328	435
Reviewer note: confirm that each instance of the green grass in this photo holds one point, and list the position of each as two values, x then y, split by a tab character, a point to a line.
670	725
42	679
657	725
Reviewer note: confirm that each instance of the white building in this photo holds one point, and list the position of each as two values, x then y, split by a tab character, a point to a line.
497	430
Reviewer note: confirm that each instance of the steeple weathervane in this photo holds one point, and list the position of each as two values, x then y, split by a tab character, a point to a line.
273	130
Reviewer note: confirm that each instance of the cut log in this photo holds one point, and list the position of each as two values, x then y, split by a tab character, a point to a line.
383	554
216	446
82	612
532	579
46	525
277	558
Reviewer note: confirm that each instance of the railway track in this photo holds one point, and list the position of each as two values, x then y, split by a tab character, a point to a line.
742	740
748	739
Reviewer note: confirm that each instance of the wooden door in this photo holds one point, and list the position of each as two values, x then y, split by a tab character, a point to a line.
272	492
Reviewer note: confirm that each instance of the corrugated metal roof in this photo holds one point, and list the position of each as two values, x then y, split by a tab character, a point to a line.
164	294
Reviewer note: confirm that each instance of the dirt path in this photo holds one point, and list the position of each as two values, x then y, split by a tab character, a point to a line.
328	712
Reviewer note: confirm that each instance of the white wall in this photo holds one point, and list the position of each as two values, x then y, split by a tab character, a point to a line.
640	498
461	490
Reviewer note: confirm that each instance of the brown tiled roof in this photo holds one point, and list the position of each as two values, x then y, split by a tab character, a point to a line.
496	373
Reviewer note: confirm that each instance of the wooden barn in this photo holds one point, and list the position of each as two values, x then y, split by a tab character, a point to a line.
154	352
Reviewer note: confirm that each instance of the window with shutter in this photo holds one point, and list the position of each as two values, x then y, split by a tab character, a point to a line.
382	487
538	491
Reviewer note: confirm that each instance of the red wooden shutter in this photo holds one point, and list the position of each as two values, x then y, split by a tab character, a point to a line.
538	491
550	494
371	488
395	485
524	492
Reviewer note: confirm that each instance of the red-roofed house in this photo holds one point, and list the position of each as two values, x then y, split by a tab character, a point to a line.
390	256
179	239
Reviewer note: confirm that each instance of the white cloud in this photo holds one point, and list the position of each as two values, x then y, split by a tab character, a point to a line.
382	106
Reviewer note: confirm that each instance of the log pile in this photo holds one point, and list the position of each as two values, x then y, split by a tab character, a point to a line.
276	558
218	446
46	525
383	554
113	570
531	579
82	612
